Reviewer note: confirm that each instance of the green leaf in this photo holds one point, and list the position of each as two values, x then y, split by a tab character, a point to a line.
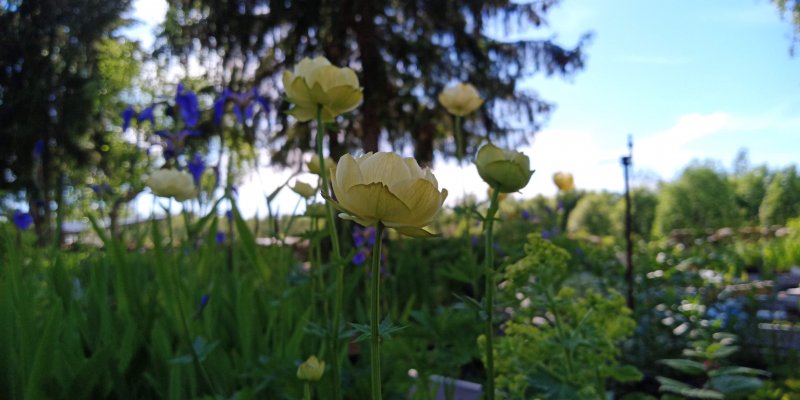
736	385
677	387
690	367
738	371
626	373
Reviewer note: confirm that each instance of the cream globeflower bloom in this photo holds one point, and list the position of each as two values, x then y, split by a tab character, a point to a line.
313	164
564	181
460	99
315	82
504	170
172	183
386	188
303	189
311	370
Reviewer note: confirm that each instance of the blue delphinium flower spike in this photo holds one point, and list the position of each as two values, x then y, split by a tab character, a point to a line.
186	101
127	115
22	220
360	257
147	115
196	167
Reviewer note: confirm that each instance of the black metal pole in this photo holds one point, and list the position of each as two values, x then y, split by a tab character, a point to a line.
627	161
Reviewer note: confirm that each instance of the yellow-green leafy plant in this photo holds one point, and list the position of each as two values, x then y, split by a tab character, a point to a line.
562	339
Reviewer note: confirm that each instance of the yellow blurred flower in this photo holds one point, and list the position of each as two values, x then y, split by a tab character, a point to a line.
460	99
384	187
504	170
311	370
171	183
315	82
303	189
313	164
564	181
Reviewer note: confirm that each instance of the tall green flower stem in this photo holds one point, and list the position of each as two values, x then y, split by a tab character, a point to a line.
459	140
337	259
489	296
307	391
374	320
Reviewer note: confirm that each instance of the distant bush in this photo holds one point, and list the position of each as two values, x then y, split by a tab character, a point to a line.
593	214
782	199
750	187
702	198
643	212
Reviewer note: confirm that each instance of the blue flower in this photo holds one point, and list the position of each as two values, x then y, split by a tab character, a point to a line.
220	237
196	167
360	257
38	149
202	305
127	115
526	215
186	101
229	215
147	115
22	220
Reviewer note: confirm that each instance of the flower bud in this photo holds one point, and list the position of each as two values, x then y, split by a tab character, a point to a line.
504	170
564	181
172	183
311	370
461	99
313	164
303	189
317	210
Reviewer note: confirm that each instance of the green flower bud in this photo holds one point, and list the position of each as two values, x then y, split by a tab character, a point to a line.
311	370
504	170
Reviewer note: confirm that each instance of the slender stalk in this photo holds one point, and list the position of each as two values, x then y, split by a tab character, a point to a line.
307	391
337	258
459	140
490	287
375	299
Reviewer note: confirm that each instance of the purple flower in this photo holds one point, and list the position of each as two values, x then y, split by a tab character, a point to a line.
474	241
187	104
147	115
101	189
175	141
229	215
220	237
526	215
22	220
360	257
38	149
243	105
370	231
127	115
196	167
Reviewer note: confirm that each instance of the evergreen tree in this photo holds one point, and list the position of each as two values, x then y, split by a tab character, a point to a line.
405	53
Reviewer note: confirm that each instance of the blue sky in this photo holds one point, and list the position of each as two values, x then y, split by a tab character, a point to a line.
688	79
